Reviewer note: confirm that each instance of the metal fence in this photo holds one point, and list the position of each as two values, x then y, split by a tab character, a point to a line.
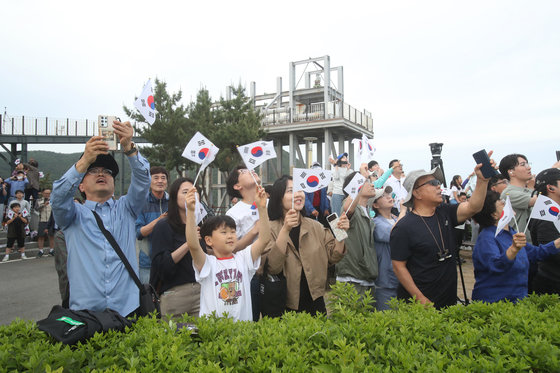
316	111
44	126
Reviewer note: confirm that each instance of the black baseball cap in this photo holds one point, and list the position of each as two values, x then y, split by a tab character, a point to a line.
106	161
546	177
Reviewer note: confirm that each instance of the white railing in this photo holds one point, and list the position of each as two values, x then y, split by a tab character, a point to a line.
316	112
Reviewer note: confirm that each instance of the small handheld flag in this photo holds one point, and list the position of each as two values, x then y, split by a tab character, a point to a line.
200	150
507	215
546	209
365	149
256	153
311	180
353	188
145	103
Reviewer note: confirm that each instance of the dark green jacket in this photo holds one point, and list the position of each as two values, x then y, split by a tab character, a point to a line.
360	260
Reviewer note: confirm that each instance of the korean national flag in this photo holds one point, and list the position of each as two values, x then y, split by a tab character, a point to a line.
507	215
365	149
311	180
146	104
354	186
256	153
546	209
200	150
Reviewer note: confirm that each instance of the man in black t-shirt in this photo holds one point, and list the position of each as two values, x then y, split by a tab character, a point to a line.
547	279
423	242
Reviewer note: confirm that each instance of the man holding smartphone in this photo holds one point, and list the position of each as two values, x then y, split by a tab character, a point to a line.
423	242
98	278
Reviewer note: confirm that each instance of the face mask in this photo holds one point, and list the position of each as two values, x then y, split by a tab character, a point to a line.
20	177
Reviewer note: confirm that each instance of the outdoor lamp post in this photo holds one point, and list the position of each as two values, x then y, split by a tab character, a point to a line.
435	149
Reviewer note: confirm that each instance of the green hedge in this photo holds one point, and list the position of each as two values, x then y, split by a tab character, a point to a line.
500	337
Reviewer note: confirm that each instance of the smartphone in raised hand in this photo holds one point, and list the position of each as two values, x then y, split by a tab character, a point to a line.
105	125
487	170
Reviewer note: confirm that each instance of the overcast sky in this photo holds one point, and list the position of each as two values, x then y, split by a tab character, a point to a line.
472	75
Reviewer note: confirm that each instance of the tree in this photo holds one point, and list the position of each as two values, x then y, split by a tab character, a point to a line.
238	124
227	124
170	132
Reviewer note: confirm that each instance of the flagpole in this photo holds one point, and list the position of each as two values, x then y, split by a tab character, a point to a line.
251	171
351	203
196	178
527	226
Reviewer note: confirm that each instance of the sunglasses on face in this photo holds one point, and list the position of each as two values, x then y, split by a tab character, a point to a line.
433	182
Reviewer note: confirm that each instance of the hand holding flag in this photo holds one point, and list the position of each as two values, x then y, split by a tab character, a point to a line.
145	103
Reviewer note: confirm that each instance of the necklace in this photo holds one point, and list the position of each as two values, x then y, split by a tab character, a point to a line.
443	253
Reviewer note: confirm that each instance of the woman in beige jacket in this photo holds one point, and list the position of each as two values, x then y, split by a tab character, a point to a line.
300	247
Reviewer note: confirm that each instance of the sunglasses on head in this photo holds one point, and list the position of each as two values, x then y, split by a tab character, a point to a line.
433	182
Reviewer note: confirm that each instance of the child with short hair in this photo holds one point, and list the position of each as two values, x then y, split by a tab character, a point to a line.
16	231
225	278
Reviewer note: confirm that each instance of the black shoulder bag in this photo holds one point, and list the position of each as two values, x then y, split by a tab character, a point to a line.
273	293
149	300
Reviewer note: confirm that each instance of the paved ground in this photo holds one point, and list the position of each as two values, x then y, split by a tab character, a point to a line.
28	290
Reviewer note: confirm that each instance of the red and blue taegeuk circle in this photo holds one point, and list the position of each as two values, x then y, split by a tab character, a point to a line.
151	102
202	153
256	151
254	206
312	181
554	211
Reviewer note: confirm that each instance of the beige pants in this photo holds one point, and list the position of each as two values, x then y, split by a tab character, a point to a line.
181	299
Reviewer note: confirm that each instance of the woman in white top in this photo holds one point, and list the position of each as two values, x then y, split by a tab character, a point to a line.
456	188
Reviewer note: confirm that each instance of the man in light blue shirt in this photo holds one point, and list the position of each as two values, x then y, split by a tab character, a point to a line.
98	278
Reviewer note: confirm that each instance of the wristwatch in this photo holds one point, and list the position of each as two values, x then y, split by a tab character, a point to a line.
133	149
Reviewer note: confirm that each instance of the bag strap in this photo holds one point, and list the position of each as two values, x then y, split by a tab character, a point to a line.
119	252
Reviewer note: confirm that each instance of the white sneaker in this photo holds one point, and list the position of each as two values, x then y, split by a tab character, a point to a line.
23	256
6	258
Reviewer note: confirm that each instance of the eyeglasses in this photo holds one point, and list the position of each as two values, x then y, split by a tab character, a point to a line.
525	164
433	182
99	170
500	182
244	171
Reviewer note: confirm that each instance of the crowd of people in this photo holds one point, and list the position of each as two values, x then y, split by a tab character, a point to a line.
402	236
25	210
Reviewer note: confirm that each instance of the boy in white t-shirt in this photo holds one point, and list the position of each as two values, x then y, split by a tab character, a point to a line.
225	279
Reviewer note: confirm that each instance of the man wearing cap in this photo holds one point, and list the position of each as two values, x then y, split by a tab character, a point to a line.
547	279
98	279
396	182
423	242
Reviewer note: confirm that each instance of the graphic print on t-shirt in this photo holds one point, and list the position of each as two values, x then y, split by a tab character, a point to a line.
228	283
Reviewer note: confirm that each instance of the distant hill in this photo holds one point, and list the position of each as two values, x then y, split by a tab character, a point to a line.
54	165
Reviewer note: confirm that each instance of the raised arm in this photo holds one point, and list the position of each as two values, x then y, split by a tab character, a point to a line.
264	225
140	175
467	209
199	257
